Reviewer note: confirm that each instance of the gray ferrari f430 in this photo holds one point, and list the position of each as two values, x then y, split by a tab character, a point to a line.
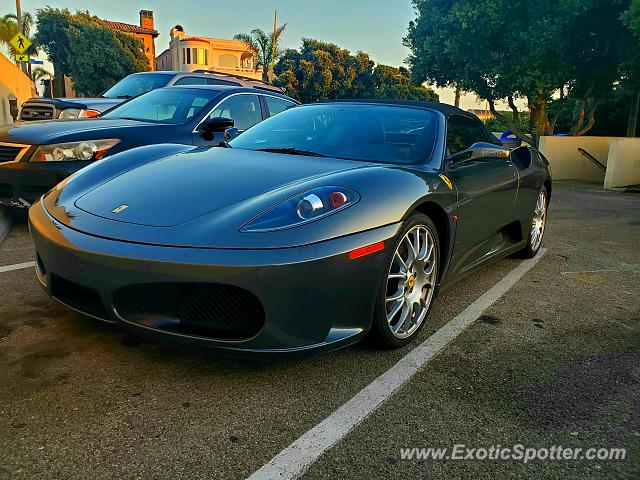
310	230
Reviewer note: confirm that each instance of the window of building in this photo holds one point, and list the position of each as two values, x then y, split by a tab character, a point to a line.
227	60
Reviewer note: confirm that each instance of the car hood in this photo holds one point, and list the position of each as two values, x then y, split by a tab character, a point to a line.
50	131
182	188
179	195
100	104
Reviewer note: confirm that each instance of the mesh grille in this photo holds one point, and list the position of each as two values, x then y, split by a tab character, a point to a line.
222	310
36	112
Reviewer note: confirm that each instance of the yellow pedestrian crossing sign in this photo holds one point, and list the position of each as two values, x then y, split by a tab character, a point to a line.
22	57
20	42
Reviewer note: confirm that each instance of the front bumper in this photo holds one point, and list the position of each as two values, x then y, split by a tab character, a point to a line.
22	183
314	297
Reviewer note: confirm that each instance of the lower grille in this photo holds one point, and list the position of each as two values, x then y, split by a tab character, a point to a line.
6	191
9	153
223	311
36	112
84	299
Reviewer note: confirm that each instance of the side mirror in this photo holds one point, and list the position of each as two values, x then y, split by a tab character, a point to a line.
212	125
230	134
480	151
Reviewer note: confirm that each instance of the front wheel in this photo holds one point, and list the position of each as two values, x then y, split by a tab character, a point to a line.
538	224
409	283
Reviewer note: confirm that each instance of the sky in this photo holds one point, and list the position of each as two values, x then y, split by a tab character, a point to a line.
373	26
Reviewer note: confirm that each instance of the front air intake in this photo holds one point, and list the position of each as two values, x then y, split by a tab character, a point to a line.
223	311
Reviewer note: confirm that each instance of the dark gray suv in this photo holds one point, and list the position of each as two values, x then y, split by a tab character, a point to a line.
130	86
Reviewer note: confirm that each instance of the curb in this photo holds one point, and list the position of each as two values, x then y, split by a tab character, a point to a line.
6	222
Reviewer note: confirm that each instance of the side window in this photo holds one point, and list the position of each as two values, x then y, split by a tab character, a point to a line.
462	132
217	81
196	106
244	110
191	81
277	105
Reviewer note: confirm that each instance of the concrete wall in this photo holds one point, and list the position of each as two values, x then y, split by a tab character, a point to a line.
12	81
620	155
567	163
624	163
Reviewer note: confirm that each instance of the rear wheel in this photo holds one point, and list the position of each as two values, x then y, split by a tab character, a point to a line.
537	227
409	283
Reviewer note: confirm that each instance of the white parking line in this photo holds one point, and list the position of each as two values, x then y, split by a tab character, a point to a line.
294	461
17	266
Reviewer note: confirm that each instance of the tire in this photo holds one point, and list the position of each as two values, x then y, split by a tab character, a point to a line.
417	284
534	242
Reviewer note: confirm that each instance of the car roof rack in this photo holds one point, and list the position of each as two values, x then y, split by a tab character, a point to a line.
262	84
227	74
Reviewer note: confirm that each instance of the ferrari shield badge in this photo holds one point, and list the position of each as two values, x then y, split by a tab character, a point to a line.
448	182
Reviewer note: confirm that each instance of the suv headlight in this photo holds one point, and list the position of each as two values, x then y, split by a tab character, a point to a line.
84	150
78	113
303	208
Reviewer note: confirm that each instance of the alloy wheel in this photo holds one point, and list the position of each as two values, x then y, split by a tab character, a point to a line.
411	281
538	221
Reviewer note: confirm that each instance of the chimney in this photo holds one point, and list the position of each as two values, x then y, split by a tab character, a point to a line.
146	19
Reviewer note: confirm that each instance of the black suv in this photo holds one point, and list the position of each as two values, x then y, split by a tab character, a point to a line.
130	86
36	156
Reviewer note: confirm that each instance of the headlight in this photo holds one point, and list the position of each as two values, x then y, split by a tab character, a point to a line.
86	150
78	113
303	208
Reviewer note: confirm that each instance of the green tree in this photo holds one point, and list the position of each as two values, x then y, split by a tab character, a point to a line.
84	48
630	68
263	47
506	49
390	82
324	71
38	73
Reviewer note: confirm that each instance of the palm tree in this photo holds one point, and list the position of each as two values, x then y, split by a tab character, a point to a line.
262	45
9	28
39	72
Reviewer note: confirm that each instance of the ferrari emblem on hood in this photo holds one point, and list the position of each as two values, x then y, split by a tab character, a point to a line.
122	207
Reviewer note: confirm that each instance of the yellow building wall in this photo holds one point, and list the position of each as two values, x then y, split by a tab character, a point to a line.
12	82
149	48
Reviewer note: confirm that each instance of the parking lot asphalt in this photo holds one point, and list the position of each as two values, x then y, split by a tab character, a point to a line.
556	361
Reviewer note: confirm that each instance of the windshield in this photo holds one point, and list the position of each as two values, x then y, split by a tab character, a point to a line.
377	133
165	105
136	84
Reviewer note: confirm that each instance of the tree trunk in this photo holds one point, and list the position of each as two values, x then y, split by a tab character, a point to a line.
591	122
514	109
533	114
632	123
58	82
457	97
513	126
